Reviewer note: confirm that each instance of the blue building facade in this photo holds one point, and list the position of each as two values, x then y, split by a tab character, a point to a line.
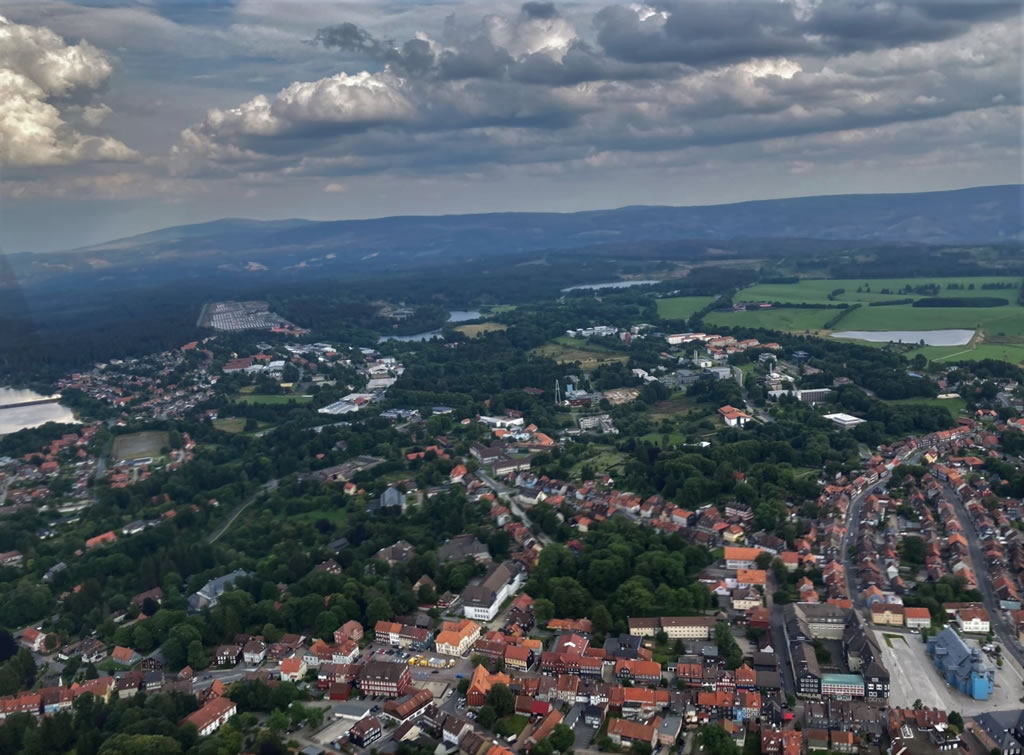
961	666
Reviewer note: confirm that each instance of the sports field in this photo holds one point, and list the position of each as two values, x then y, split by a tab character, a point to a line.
140	445
682	307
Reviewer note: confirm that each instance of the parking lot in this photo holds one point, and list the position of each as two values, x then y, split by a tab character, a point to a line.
913	676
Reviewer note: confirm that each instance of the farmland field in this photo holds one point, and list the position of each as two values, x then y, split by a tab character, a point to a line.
1007	352
775	319
140	445
1005	321
816	291
472	331
681	307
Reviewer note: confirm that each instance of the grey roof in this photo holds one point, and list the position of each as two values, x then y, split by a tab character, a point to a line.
460	547
956	656
1000	725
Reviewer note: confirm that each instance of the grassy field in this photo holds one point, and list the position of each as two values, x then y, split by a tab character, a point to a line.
605	461
565	350
775	319
677	404
140	445
229	424
681	307
816	291
498	309
236	424
674	439
481	327
260	398
953	405
513	724
1005	321
1007	352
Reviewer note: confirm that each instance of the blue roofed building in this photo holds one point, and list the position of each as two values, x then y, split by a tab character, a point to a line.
960	665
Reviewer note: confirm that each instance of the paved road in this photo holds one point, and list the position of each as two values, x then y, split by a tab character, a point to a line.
1006	634
505	493
270	485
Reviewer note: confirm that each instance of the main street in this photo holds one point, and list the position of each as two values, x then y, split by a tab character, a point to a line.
997	618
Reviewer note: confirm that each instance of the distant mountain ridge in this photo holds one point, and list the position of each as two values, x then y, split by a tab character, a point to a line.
983	214
987	214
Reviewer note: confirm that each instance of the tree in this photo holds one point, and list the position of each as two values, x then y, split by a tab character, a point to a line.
50	642
197	658
918	704
463	686
714	739
486	717
8	646
277	721
602	619
500	698
544	610
956	719
562	738
764	560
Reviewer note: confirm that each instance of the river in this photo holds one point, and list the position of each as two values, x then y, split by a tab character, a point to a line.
454	315
952	337
610	284
16	418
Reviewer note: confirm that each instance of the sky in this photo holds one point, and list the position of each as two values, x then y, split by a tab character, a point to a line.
122	117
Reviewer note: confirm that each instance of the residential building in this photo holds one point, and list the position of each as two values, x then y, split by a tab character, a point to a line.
293	669
480	684
365	731
209	594
212	715
383	678
627	733
457	637
973	620
1002	730
739	557
917	618
676	627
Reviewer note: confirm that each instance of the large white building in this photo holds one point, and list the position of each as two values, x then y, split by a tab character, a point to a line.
482	600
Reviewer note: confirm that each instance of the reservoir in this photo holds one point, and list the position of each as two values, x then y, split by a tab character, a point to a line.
952	337
19	411
454	315
611	284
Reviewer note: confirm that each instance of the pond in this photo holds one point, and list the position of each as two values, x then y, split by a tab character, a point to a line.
951	337
610	284
18	412
454	315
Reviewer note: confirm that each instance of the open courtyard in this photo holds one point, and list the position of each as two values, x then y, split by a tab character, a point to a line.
913	676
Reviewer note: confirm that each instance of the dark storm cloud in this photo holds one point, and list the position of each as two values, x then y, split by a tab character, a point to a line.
413	57
539	10
708	34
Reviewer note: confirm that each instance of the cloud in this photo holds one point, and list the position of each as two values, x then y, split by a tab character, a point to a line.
43	82
702	33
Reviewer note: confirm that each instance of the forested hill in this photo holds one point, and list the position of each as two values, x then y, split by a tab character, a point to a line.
984	214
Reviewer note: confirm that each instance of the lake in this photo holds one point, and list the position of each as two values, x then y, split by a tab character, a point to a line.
454	315
952	337
17	418
610	284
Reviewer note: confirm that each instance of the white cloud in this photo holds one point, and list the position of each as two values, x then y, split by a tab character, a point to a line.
39	74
